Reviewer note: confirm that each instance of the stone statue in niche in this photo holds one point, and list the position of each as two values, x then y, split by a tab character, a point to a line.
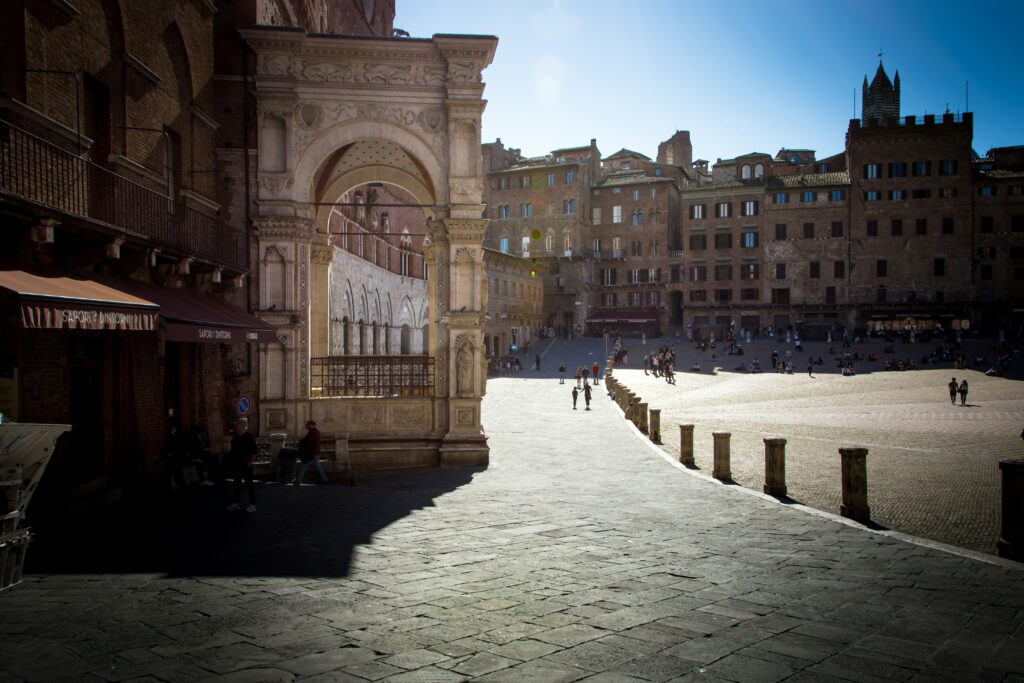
464	371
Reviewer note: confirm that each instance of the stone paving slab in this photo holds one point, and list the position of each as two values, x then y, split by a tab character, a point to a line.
579	554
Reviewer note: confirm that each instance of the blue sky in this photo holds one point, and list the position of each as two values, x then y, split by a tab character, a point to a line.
741	76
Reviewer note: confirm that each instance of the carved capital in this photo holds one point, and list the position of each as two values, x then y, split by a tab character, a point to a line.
466	230
285	227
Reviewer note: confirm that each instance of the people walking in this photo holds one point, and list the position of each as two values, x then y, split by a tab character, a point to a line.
309	454
952	390
586	395
243	450
963	392
561	373
575	396
579	377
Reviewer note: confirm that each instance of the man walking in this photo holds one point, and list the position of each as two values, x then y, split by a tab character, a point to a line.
575	396
309	454
561	373
596	370
963	392
952	390
586	395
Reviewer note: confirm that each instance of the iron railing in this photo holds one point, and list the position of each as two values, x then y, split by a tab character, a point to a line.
38	171
403	376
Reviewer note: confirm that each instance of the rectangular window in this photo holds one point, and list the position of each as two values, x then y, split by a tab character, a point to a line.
749	208
780	296
807	196
947	167
922	193
569	177
595	215
837	228
808	231
750	239
872	228
921	226
938	266
503	211
780	271
616	214
1017	223
896	227
815	270
698	295
610	300
654	190
634	276
597	248
872	196
987	191
551	179
525	210
503	183
526	245
780	231
653	275
947	192
524	181
986	271
837	195
637	217
872	171
723	210
698	211
750	271
898	169
897	195
723	295
830	295
569	206
781	197
606	276
839	269
653	298
673	273
947	225
698	273
987	224
881	268
616	190
504	245
636	195
636	299
723	272
698	242
750	294
723	240
922	169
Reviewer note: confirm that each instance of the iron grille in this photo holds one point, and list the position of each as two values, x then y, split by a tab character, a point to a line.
380	376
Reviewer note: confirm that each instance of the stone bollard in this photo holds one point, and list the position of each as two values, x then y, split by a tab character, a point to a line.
642	418
627	412
1011	534
855	484
775	467
721	469
686	445
656	425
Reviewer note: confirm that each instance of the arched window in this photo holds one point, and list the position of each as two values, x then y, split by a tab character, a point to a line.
759	170
745	173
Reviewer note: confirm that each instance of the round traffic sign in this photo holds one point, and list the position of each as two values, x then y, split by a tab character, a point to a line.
243	405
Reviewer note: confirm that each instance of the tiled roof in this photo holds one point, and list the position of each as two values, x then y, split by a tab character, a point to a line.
620	178
810	180
753	184
537	163
1000	173
628	153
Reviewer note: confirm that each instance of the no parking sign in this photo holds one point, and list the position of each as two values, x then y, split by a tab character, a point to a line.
243	405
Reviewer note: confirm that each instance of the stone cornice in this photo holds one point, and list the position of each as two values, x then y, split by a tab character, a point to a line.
287	227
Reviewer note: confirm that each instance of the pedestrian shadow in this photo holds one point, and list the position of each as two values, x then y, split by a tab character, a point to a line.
296	531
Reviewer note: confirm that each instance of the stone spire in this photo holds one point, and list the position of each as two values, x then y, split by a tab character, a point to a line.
881	99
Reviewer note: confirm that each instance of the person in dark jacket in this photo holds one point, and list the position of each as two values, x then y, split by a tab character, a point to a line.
240	457
309	454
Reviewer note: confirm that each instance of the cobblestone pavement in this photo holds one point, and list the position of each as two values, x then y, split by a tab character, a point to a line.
933	467
579	554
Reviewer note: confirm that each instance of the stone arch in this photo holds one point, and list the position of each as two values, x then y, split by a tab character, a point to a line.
312	159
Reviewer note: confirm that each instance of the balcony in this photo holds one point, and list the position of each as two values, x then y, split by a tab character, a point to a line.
36	171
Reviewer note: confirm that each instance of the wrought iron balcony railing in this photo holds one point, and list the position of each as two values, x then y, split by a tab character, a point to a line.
38	171
372	376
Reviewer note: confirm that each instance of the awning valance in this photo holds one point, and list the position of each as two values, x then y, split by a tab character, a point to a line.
56	301
191	316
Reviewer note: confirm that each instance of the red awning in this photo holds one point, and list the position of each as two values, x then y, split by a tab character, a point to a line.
191	316
56	301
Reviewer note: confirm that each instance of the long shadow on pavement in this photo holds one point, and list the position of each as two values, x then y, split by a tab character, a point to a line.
296	531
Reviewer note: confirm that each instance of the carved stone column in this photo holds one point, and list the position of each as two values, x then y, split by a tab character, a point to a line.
284	244
460	334
321	255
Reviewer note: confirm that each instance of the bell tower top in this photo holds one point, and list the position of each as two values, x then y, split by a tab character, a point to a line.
881	99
